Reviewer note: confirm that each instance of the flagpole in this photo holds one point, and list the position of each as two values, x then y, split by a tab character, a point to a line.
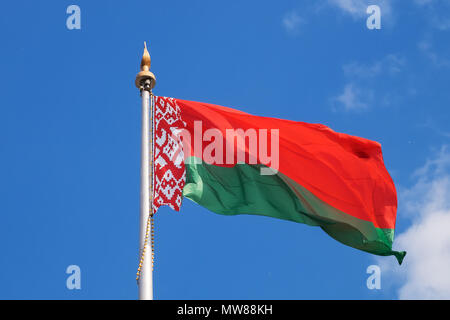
145	81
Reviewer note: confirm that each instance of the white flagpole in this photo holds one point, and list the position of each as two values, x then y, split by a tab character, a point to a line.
145	81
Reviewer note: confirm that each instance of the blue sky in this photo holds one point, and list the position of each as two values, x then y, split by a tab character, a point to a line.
70	142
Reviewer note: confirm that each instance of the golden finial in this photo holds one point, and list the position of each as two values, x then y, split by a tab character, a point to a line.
146	61
145	80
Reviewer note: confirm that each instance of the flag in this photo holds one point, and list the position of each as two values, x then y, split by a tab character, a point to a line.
232	162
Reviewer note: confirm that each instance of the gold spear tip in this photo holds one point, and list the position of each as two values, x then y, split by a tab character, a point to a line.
146	61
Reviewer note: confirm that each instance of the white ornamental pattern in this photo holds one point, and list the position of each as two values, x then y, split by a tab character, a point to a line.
169	174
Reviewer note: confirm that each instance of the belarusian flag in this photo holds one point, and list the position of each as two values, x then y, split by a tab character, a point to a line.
231	162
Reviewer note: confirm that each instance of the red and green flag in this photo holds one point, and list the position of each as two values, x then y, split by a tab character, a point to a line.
232	162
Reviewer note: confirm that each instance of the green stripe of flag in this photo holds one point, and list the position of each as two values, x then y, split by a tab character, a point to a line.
243	190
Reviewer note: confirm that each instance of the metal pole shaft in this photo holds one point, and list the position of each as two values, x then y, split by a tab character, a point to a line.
146	277
145	81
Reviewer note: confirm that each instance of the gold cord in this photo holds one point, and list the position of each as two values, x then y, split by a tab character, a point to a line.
149	228
152	221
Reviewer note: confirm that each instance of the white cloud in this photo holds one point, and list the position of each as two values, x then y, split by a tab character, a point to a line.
363	83
423	2
425	271
357	8
353	98
436	12
427	49
442	24
431	125
391	64
292	22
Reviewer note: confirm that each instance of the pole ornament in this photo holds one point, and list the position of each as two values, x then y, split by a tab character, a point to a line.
145	80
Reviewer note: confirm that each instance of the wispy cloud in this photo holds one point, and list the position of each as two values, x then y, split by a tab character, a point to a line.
423	2
292	22
436	12
357	8
353	98
426	47
442	24
391	64
359	92
432	126
424	273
